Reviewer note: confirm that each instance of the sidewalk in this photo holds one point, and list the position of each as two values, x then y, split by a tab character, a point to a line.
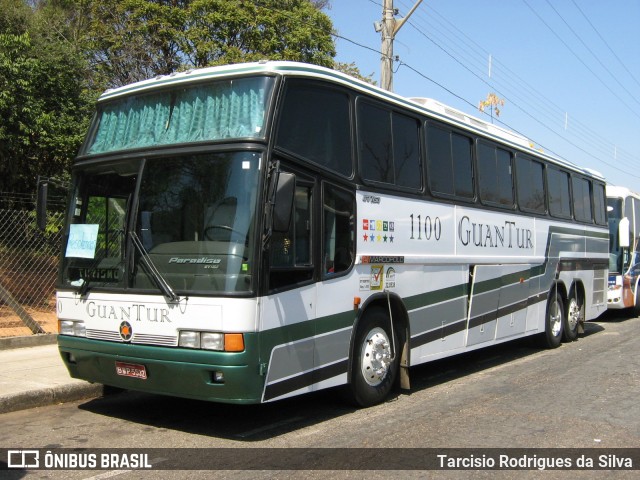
32	374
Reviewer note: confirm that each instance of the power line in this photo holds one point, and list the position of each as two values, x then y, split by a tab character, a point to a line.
592	53
535	119
471	51
580	60
356	43
606	44
578	147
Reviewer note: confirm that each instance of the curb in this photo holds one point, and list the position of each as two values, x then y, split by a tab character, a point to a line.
50	396
30	341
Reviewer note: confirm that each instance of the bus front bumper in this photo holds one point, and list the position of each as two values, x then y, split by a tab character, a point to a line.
198	374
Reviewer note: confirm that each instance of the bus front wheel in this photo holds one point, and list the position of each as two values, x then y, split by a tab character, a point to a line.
374	366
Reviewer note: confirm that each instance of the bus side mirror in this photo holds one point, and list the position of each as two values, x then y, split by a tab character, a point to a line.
623	232
283	202
41	205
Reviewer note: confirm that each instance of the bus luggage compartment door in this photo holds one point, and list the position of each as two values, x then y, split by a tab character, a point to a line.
498	302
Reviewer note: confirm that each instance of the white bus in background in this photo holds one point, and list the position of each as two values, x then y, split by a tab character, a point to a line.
252	232
623	208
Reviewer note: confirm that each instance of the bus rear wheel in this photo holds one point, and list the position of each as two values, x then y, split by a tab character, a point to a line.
374	366
572	319
554	321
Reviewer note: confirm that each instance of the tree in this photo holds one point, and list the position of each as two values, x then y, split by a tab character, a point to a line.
57	56
132	40
231	31
354	71
494	102
43	107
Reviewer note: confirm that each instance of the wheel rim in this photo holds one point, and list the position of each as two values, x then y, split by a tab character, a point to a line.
376	357
555	319
574	313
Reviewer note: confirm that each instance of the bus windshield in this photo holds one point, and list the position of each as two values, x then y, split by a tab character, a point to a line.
614	214
194	220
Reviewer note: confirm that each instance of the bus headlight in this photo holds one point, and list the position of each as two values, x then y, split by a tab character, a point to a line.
212	341
189	339
73	328
79	329
220	342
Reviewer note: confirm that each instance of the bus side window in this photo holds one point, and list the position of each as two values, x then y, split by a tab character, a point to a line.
338	230
291	252
494	175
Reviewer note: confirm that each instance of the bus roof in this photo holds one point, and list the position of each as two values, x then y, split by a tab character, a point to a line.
425	106
615	191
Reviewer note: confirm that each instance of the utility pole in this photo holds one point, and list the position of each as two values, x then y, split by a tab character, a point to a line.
389	27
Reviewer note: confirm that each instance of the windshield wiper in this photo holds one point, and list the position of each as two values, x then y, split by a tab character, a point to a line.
153	271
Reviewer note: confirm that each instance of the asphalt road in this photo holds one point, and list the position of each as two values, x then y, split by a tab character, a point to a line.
583	395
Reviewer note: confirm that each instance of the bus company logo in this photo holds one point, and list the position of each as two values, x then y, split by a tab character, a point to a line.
126	332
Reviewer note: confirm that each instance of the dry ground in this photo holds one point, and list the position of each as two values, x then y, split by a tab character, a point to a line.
12	326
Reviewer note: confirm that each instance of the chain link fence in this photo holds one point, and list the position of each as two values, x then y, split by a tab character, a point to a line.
28	268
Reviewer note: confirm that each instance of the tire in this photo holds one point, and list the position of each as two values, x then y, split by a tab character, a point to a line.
636	305
374	369
572	318
554	321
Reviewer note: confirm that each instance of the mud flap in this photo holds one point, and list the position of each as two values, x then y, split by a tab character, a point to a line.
404	367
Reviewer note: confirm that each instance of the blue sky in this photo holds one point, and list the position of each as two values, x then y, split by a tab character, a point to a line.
569	70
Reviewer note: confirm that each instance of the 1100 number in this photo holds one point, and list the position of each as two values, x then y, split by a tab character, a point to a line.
430	228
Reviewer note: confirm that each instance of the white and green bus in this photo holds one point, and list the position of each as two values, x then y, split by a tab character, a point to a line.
252	232
623	208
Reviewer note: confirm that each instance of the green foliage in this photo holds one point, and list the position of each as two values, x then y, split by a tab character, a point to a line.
57	56
232	31
137	39
43	107
131	40
353	70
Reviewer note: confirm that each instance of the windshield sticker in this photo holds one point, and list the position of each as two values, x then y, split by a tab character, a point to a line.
82	241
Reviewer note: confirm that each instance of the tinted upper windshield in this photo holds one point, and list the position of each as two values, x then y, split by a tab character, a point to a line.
195	219
219	110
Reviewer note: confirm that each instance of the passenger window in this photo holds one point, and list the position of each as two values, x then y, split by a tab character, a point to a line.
406	151
315	125
389	147
449	163
374	143
461	148
291	251
530	184
558	190
338	230
440	169
599	204
581	199
494	175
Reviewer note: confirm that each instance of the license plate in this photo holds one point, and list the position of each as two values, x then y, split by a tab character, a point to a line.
131	370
